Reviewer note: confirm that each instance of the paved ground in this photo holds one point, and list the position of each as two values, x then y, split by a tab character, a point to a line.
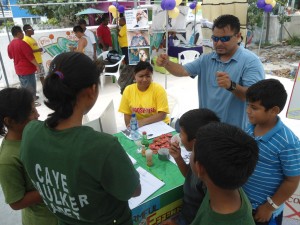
185	89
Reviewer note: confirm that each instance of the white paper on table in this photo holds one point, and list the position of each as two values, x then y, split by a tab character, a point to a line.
156	129
153	130
132	159
149	184
184	154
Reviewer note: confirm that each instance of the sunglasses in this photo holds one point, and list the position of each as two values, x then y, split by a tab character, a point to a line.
222	39
29	29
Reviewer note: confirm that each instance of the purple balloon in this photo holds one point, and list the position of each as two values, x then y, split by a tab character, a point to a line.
193	5
268	8
115	4
162	4
170	4
260	4
121	9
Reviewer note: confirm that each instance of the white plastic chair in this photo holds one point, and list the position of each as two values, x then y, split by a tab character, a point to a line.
106	121
115	74
187	56
174	108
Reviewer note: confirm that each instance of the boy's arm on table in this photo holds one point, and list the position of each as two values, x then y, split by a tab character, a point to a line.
30	198
285	190
175	152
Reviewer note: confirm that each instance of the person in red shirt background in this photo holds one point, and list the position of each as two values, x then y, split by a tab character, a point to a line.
24	61
104	35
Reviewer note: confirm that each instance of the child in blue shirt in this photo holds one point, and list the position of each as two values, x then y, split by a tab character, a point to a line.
277	174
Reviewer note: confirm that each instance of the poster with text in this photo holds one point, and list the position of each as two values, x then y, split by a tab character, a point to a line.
138	54
137	19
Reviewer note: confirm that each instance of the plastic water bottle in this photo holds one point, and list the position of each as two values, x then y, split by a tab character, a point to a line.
134	127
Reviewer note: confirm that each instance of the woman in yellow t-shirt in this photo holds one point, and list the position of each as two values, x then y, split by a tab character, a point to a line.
148	100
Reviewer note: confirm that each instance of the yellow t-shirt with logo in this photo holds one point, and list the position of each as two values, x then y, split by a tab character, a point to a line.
123	39
144	104
34	46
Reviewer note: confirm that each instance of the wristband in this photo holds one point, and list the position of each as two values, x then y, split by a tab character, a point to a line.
270	201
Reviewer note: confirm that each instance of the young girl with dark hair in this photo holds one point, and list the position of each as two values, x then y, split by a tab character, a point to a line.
84	177
16	110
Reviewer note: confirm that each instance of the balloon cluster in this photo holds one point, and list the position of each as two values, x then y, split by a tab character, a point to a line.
266	5
195	7
170	5
115	9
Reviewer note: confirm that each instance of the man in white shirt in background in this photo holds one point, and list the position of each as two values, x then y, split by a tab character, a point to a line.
89	34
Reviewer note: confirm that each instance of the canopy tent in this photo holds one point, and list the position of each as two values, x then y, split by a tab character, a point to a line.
90	11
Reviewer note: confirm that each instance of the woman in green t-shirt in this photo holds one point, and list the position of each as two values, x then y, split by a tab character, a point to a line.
16	110
84	176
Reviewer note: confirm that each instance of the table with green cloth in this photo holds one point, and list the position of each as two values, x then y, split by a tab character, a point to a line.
167	200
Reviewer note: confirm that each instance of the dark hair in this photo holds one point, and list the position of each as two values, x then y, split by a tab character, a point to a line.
143	66
15	30
227	153
227	20
69	73
25	27
78	28
104	17
269	92
193	119
16	104
81	21
122	18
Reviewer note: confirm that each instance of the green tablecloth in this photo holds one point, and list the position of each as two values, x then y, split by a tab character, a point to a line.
166	171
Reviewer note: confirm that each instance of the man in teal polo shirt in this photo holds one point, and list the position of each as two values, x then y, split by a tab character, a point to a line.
224	75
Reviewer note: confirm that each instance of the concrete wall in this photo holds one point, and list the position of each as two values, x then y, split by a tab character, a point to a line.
293	28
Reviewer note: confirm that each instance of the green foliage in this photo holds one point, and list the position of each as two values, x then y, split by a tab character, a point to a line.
255	15
294	41
52	21
8	23
64	13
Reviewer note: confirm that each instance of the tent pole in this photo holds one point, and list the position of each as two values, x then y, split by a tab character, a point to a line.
167	39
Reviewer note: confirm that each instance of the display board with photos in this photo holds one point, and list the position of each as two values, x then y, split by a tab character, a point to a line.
138	35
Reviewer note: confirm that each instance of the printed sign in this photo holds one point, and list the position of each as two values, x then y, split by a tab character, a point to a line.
293	111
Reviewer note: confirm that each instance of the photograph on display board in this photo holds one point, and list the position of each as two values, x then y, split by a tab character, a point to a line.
159	19
138	38
138	54
137	19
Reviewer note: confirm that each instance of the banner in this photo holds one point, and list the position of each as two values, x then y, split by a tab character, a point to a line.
293	111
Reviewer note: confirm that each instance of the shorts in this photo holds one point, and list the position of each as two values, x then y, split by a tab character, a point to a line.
42	69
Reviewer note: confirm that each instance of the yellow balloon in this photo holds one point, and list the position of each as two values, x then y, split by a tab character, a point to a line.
173	13
112	9
198	7
268	1
115	14
273	3
178	2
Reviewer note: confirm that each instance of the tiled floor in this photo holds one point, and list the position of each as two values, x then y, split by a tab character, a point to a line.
185	89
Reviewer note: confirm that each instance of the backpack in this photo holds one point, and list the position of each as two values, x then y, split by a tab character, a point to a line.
126	77
113	57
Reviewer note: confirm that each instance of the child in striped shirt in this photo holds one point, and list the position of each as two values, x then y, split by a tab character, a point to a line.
277	173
